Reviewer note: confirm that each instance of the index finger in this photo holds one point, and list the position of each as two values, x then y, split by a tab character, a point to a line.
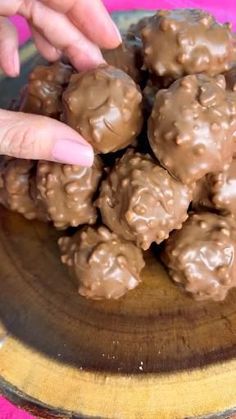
92	18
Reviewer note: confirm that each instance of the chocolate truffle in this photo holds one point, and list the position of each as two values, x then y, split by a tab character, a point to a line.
127	57
67	192
16	194
186	41
141	202
191	127
104	106
201	256
218	191
43	93
103	265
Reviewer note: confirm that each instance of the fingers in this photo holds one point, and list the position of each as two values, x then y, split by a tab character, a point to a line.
9	56
35	137
10	7
64	36
49	52
92	18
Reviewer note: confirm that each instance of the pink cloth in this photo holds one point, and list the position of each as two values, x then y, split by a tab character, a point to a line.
8	411
223	11
22	27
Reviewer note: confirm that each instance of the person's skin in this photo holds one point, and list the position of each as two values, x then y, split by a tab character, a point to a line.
76	28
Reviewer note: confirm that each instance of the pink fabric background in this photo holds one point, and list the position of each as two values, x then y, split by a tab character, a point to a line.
224	11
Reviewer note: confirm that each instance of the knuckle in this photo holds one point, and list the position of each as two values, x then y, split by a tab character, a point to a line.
18	142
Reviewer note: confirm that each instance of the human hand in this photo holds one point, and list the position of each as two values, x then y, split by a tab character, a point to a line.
71	27
37	137
76	28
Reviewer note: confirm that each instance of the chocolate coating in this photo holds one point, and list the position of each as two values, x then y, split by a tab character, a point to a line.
230	78
104	265
187	41
43	93
218	191
15	191
141	202
149	94
4	161
104	106
127	57
201	256
67	192
191	127
135	29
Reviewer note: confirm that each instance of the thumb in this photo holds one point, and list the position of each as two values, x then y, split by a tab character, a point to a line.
37	137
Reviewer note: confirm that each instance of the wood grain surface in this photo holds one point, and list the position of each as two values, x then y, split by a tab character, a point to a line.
152	354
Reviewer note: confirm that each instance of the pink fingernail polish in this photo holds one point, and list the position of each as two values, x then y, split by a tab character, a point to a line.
73	152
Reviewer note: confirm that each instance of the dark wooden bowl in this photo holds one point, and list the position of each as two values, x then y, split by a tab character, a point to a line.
153	354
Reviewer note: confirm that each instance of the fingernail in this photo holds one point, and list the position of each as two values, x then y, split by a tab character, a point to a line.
96	56
85	60
117	32
16	63
73	152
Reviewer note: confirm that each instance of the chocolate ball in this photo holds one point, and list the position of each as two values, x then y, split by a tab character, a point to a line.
15	189
127	57
67	192
218	191
186	41
191	127
201	256
104	106
141	202
43	93
103	265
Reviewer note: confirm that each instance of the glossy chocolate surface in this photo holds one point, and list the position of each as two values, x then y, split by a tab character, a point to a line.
67	192
141	202
103	265
44	91
201	256
191	127
186	41
104	106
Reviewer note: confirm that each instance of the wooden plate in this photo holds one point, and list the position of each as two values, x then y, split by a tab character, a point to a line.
153	354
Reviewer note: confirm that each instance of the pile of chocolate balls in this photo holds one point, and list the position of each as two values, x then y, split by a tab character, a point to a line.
161	117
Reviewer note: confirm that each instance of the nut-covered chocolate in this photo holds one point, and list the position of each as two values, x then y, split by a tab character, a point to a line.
218	191
126	57
44	90
141	202
67	192
201	256
15	191
191	127
103	265
186	41
104	106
